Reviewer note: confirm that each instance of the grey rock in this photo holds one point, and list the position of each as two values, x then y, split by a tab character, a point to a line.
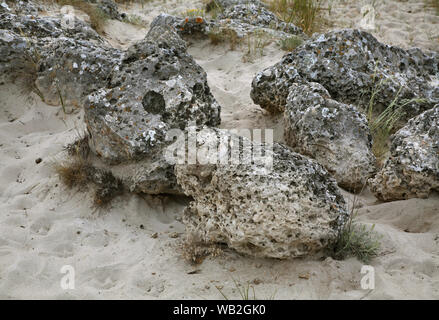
46	27
109	8
156	87
333	133
71	69
412	170
350	64
291	210
255	14
13	50
242	19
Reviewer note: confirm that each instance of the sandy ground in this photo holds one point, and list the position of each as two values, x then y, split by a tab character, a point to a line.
44	225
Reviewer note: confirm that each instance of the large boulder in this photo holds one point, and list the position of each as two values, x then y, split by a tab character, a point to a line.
69	62
412	170
280	205
157	87
333	133
352	65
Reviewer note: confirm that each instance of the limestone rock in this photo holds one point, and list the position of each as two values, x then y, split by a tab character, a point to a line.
157	87
241	18
291	209
71	69
412	170
333	133
351	64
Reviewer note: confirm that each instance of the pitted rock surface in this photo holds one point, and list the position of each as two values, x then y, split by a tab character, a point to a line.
157	87
333	133
412	170
241	18
71	69
351	64
291	209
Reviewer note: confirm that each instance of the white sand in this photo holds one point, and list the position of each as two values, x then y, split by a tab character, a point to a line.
44	225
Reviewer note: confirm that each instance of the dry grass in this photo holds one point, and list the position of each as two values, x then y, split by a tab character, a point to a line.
306	14
355	240
27	72
218	36
78	172
256	43
195	251
291	43
434	4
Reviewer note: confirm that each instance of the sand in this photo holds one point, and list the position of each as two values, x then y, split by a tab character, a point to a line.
114	251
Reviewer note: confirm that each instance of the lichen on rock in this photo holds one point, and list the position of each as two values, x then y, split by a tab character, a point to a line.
156	87
333	133
412	170
291	209
351	65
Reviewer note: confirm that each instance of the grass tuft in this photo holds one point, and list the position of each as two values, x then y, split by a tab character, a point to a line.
79	172
303	13
355	240
384	124
195	251
291	43
218	36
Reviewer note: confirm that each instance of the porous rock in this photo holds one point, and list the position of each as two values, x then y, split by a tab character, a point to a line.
412	170
290	209
71	69
333	133
351	64
241	18
156	87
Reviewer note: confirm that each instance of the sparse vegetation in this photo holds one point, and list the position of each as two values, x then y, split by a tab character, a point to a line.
217	36
246	291
214	8
355	239
306	14
192	13
78	172
434	4
195	251
28	72
291	43
256	42
384	124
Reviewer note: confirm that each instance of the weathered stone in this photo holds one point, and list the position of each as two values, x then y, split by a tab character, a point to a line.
351	64
333	133
242	19
157	87
71	69
257	15
291	209
47	27
412	170
13	49
109	8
